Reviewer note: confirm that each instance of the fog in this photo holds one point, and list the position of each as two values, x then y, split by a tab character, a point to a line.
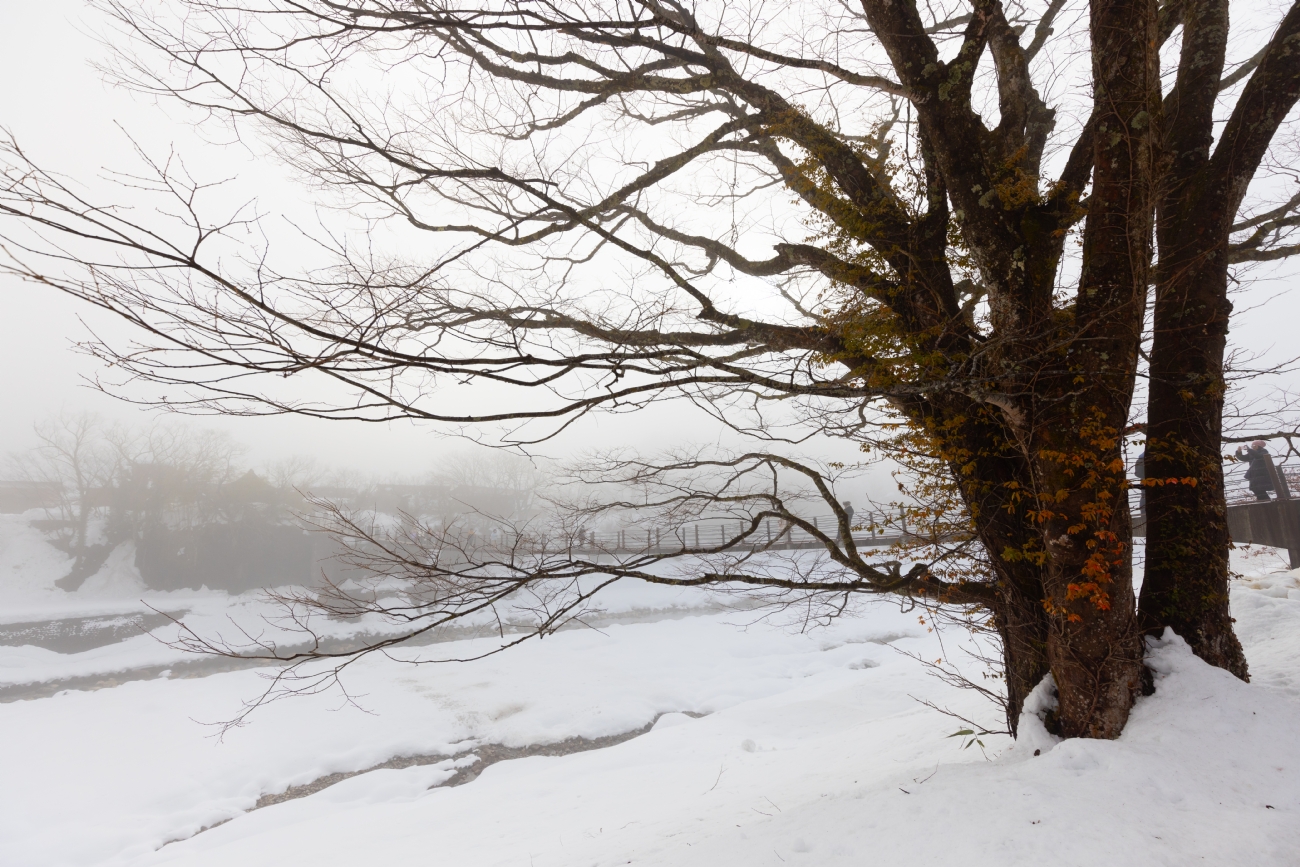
60	107
61	110
233	489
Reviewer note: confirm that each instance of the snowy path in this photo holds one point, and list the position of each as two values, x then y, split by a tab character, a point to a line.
832	774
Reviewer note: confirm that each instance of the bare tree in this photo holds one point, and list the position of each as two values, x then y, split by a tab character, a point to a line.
80	455
300	472
114	481
496	481
169	476
833	219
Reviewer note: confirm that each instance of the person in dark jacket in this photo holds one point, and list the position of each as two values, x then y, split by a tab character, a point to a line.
1258	470
1140	470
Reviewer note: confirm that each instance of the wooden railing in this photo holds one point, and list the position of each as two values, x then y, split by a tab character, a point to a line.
870	530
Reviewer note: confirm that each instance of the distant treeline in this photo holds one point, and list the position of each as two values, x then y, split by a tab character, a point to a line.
198	517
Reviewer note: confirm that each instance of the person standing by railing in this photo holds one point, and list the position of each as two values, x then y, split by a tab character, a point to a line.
1258	475
1140	470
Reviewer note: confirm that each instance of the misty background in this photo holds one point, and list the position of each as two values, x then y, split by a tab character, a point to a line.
58	105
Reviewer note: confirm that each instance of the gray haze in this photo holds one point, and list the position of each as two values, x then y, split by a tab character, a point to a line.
63	113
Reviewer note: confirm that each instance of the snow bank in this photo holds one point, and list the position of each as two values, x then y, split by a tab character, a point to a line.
1264	606
144	772
1032	737
814	750
29	566
839	771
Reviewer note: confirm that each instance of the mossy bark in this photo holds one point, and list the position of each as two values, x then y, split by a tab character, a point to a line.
1186	583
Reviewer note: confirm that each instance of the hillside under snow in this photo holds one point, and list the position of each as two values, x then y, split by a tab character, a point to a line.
764	746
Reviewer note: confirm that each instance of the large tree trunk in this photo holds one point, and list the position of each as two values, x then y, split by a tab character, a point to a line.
1084	393
1093	647
1186	582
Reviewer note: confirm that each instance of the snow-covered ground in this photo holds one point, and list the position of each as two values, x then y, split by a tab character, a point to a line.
29	568
814	748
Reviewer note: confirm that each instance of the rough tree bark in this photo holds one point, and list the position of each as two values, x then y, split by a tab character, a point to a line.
1093	648
1186	582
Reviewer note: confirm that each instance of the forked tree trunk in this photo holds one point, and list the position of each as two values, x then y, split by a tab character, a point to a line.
1057	527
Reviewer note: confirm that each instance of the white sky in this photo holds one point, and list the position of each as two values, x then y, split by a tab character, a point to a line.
66	117
69	119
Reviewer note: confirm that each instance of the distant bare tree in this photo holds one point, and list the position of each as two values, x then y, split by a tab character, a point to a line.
170	477
128	477
300	472
858	220
510	481
81	456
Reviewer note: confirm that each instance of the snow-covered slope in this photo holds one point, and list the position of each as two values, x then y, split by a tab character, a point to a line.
814	750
